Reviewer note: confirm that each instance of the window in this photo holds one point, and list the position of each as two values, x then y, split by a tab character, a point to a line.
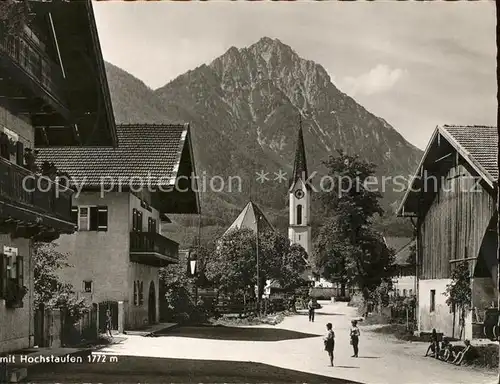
11	268
151	225
433	300
299	214
299	237
83	219
87	286
136	220
141	292
90	218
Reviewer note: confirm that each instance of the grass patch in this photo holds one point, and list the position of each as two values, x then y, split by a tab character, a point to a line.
397	330
482	356
233	321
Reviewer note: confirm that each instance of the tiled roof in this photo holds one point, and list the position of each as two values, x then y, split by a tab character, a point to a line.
248	219
300	162
481	142
147	153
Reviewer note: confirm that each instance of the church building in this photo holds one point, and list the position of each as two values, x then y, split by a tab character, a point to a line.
299	225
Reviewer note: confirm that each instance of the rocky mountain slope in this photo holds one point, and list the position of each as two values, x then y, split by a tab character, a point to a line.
244	110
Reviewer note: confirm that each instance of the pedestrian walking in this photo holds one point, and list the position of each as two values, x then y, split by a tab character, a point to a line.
354	333
329	341
310	306
109	323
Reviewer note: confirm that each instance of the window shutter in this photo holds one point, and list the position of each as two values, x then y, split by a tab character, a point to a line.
93	218
134	220
102	218
135	292
20	154
3	275
20	270
141	293
4	146
74	215
139	221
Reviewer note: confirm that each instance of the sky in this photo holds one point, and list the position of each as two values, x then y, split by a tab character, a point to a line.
415	64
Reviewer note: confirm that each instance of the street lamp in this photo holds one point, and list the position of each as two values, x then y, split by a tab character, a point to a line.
192	271
257	266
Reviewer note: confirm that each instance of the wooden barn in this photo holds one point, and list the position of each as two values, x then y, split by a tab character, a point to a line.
451	202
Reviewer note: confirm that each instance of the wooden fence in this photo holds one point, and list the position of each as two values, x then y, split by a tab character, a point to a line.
55	328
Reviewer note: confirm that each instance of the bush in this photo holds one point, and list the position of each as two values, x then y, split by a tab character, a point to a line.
182	318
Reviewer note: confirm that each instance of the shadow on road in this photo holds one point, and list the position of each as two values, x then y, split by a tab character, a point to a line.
130	369
345	366
234	333
368	357
321	314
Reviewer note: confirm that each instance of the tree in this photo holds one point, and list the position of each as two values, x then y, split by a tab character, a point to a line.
177	284
49	290
233	267
347	247
14	15
459	292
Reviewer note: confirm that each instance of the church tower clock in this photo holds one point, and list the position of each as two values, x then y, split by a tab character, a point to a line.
299	230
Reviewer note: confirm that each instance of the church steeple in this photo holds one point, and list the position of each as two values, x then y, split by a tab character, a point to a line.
300	163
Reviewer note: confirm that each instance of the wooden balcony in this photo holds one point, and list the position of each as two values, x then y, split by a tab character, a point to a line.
30	75
153	249
33	206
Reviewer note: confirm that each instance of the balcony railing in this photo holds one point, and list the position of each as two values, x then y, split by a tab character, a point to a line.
38	194
30	55
151	242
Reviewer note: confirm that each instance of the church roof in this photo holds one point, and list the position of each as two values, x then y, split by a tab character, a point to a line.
248	219
300	163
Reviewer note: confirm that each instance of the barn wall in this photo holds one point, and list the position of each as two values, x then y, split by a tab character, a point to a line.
455	224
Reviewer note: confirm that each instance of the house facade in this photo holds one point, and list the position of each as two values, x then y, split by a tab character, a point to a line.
452	205
42	81
124	195
403	281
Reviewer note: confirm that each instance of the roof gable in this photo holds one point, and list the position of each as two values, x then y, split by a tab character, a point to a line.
477	145
248	219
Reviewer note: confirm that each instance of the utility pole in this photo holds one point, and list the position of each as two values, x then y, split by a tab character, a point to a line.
258	276
498	189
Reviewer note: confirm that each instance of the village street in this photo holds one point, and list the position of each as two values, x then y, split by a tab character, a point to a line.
383	359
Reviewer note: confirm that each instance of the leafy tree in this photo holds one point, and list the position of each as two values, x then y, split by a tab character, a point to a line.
233	267
177	284
14	15
347	247
49	290
459	292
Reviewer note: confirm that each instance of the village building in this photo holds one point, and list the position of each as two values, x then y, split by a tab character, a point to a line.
125	193
451	203
251	217
53	92
403	282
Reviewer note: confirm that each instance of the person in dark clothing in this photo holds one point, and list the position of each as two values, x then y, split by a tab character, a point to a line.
354	333
310	306
109	323
329	341
434	346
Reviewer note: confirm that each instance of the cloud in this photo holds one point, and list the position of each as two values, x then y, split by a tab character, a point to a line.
377	80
